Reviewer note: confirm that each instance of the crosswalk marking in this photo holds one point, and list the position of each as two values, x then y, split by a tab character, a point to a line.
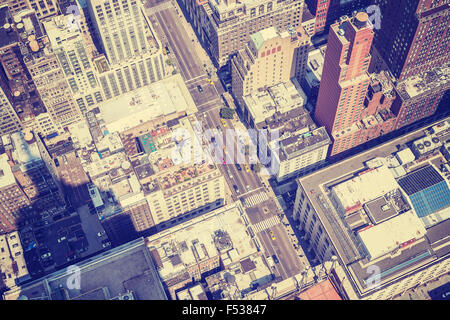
266	224
255	199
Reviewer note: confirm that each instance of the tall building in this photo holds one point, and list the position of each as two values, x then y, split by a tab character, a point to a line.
15	80
122	28
319	8
270	57
51	84
16	6
70	49
80	19
225	26
132	55
414	35
328	11
345	80
300	146
33	178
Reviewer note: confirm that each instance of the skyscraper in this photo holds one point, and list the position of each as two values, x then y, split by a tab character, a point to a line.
122	28
414	35
319	8
68	44
52	86
345	79
270	57
132	54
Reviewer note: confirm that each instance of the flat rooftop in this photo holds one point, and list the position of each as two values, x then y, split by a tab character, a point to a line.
165	97
127	268
427	81
6	175
218	232
407	254
281	98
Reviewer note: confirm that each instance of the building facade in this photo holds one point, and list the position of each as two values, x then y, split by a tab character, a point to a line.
70	49
366	211
345	80
414	35
225	27
132	56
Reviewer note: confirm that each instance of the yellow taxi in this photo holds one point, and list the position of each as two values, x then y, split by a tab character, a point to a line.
246	167
224	123
272	235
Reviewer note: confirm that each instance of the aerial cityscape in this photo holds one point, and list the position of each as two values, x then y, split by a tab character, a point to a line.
225	150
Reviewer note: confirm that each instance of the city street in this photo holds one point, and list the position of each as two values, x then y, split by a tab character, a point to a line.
245	184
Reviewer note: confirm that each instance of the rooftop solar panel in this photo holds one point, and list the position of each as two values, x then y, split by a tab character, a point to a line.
420	180
427	190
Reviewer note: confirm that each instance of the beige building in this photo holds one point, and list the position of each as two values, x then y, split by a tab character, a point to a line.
179	190
69	46
132	56
51	83
270	57
225	26
13	268
377	213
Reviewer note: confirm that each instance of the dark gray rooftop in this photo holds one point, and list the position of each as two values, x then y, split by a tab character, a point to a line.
115	272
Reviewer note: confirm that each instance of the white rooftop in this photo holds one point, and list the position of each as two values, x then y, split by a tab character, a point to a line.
24	152
282	97
80	133
201	229
167	96
6	175
365	187
387	236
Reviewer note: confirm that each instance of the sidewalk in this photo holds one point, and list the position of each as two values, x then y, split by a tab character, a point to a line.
201	53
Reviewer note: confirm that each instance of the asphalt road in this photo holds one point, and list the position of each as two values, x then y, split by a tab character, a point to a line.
251	190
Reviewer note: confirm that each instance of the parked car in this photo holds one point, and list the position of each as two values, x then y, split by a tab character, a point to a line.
275	259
